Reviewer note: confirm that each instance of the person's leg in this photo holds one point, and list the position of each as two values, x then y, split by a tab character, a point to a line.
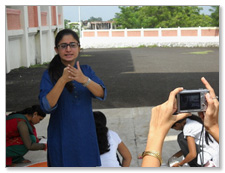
184	148
16	153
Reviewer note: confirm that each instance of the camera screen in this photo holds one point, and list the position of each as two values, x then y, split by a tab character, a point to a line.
190	101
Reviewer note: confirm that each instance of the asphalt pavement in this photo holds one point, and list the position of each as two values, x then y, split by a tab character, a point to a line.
136	79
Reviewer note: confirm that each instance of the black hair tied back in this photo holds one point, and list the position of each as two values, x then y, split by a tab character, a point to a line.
102	132
31	110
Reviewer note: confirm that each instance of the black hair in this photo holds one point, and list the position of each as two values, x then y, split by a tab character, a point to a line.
198	119
31	110
56	67
102	131
193	117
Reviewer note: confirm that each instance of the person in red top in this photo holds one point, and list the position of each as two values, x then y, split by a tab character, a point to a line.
21	134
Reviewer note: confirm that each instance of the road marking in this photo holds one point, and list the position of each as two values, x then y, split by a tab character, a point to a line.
171	138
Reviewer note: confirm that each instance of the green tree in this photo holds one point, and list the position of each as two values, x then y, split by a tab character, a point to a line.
128	18
215	15
161	16
72	25
94	19
66	23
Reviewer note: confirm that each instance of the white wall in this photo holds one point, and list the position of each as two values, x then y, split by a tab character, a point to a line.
179	40
15	51
28	46
107	42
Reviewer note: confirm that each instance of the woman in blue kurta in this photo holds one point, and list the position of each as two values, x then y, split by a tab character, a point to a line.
66	92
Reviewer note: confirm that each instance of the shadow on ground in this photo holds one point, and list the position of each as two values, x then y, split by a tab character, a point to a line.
126	87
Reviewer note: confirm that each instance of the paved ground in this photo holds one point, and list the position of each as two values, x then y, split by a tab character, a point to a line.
132	126
136	79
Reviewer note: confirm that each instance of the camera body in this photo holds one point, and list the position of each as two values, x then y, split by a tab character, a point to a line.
192	101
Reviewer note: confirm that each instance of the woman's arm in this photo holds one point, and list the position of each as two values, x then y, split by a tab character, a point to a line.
192	152
24	133
162	119
211	116
155	144
215	132
125	153
178	154
94	88
54	94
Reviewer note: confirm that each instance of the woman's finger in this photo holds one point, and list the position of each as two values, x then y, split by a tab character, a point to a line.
181	116
208	86
210	102
172	96
78	65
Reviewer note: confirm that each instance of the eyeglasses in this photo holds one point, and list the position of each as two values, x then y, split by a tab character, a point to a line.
72	45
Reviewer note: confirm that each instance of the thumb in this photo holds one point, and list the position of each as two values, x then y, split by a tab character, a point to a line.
78	65
181	116
210	102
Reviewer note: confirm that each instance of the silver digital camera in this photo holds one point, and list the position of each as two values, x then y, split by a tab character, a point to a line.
192	101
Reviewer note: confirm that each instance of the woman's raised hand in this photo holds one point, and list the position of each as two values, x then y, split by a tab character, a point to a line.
75	73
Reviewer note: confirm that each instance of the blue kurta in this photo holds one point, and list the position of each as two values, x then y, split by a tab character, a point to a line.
72	139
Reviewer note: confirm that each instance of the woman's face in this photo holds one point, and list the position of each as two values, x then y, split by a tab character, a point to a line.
68	53
36	118
179	126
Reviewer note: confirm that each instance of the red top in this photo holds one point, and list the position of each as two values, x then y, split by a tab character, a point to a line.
12	133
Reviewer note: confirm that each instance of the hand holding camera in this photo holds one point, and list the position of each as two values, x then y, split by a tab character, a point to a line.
211	116
192	100
162	116
203	101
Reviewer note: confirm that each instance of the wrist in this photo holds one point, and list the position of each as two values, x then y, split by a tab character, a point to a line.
86	82
62	80
213	129
180	164
154	154
85	79
154	142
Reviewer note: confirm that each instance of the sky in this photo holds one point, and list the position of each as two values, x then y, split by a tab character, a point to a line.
105	12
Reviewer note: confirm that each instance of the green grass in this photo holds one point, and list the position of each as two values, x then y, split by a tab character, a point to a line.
85	55
39	65
200	53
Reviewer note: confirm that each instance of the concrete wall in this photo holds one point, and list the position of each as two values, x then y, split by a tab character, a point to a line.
171	37
30	33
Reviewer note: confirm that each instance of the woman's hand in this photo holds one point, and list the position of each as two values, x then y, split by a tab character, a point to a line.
66	75
162	117
176	165
76	74
210	117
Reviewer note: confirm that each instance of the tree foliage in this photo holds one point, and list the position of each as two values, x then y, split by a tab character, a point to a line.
66	23
215	15
162	16
94	19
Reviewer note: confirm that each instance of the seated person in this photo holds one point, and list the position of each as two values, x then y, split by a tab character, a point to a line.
109	143
21	135
198	147
162	119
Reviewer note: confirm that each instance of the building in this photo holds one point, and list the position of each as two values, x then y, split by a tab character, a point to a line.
30	33
98	25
